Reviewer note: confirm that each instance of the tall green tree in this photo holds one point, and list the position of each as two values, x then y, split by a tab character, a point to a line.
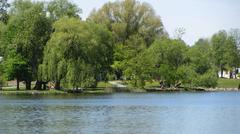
26	35
160	62
78	53
201	56
168	55
225	51
134	26
235	34
202	63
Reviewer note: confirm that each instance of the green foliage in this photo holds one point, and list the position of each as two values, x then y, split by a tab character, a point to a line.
201	56
225	50
202	63
77	53
161	62
2	38
16	67
26	35
187	75
167	56
129	17
172	63
138	70
4	5
134	26
208	79
61	8
21	6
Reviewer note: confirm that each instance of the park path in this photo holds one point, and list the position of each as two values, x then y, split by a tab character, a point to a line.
117	84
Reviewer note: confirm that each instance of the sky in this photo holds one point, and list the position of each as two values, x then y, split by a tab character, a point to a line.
200	18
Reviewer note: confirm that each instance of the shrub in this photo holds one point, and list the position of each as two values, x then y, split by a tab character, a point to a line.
208	79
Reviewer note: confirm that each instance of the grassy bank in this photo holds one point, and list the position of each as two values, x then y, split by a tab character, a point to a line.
31	92
105	88
222	83
228	83
94	91
102	88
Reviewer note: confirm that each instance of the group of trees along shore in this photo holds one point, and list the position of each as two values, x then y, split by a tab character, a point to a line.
49	42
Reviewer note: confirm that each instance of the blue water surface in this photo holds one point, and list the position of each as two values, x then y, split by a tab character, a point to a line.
148	113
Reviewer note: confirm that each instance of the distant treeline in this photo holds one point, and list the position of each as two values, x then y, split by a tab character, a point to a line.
49	42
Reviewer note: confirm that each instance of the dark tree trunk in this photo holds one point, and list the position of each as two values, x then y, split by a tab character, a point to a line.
230	74
17	84
28	85
235	73
118	74
57	85
221	71
44	85
38	85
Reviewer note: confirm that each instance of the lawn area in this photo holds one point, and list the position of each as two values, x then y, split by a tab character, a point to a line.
12	90
152	84
103	84
222	83
228	83
30	92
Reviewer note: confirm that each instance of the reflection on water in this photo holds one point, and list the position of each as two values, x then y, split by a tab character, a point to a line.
165	113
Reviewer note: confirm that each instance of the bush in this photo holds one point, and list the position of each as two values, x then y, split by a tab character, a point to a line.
208	79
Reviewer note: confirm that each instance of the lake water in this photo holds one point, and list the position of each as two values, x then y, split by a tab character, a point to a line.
161	113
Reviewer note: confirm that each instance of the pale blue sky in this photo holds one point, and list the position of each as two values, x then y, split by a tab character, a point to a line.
200	18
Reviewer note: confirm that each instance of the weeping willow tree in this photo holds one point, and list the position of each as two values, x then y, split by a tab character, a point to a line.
77	54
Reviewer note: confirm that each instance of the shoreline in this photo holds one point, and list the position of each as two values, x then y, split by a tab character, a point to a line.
113	90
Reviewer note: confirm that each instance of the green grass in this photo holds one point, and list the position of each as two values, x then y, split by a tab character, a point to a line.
152	84
30	92
103	84
12	88
228	83
100	89
222	83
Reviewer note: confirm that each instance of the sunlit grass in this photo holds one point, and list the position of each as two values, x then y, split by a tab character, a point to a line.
30	92
103	84
152	84
228	83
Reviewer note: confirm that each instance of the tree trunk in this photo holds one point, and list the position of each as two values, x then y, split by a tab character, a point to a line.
231	74
38	85
28	85
118	74
44	85
57	85
17	84
221	71
235	73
